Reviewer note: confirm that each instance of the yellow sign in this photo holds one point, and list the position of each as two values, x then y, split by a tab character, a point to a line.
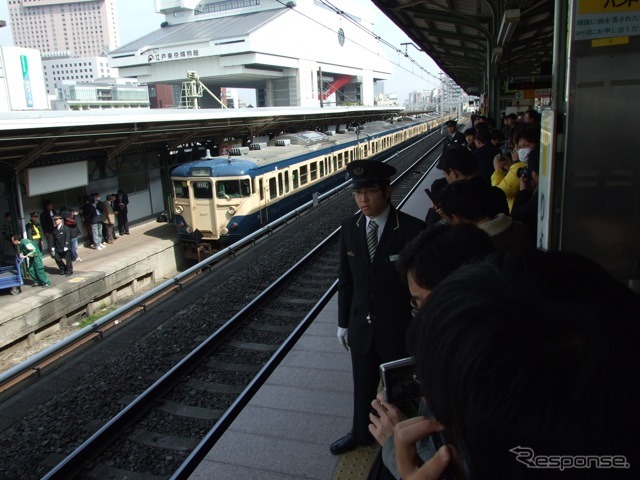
586	7
607	42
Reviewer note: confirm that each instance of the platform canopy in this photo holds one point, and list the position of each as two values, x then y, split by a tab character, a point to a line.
467	38
51	137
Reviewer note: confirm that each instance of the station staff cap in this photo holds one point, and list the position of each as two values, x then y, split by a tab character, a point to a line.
365	173
451	123
35	214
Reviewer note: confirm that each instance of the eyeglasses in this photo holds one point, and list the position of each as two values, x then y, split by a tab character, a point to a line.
366	192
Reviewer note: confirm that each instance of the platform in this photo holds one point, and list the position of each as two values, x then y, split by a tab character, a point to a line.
285	431
151	253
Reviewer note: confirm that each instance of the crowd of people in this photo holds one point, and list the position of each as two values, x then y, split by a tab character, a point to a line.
525	367
57	232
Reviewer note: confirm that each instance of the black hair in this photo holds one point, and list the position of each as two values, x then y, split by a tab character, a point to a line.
497	135
533	161
460	159
469	131
535	115
440	249
535	350
484	135
530	133
468	199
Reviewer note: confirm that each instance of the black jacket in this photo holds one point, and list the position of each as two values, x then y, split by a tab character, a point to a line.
61	237
374	291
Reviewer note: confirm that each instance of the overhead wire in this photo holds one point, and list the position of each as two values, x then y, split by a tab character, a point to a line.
377	37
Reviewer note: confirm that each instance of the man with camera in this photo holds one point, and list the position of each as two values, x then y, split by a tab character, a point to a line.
373	301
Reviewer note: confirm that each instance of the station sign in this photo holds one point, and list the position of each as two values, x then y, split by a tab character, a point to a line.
529	82
596	19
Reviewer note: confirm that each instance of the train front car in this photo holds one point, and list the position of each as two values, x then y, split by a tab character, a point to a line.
207	195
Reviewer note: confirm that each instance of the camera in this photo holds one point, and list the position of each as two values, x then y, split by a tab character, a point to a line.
399	384
523	171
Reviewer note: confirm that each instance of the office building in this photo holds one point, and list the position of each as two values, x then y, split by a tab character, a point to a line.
86	28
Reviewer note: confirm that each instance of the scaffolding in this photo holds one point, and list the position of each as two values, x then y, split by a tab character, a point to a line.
192	90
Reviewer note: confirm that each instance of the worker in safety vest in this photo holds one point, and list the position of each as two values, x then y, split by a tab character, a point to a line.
34	230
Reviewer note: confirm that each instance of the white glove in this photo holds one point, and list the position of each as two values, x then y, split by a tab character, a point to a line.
342	337
65	249
53	251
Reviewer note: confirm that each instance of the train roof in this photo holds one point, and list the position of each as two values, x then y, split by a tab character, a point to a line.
303	145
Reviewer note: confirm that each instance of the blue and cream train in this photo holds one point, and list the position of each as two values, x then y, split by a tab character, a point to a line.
227	198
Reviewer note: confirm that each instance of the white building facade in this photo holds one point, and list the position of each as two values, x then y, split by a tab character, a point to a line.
61	67
85	28
292	55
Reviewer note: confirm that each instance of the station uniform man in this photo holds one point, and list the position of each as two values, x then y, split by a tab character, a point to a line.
373	301
455	138
61	250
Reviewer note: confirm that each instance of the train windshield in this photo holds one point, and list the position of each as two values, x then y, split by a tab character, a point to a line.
202	189
233	188
182	188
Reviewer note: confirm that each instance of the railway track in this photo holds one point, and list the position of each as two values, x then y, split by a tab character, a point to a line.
166	428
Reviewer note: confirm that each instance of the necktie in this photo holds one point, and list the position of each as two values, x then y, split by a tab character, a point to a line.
372	239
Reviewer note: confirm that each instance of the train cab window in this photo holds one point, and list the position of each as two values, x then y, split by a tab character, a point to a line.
202	189
313	167
181	188
304	175
273	190
286	182
233	188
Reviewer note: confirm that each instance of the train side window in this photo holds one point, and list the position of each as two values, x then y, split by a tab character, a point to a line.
335	163
340	160
286	181
181	188
280	184
273	191
202	189
314	170
294	176
304	175
322	168
261	189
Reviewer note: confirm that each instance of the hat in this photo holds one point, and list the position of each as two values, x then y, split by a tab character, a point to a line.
365	173
451	123
35	214
57	215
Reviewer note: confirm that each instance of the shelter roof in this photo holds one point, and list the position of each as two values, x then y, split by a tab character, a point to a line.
465	37
209	30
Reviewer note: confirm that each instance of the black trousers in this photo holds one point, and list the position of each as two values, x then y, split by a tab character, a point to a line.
65	265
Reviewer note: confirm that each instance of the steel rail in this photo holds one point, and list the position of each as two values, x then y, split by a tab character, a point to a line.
36	364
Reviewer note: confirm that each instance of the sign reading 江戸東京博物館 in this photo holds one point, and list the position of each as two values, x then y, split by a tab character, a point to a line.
606	19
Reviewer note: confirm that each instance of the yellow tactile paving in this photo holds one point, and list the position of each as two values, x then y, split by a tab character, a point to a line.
355	464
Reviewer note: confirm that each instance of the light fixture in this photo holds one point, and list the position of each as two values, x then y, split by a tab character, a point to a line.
497	55
509	23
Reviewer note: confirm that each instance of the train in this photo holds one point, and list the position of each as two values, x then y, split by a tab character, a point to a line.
219	200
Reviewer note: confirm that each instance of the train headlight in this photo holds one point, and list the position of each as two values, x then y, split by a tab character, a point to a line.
189	230
179	209
224	231
231	210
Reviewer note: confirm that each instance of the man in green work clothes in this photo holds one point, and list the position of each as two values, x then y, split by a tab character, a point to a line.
28	249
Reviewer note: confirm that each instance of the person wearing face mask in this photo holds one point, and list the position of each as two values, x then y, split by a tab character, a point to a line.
506	173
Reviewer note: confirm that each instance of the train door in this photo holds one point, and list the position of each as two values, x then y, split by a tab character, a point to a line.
203	207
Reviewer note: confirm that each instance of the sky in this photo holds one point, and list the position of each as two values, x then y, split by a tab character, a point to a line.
137	18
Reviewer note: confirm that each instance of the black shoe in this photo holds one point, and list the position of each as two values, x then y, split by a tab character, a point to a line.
68	274
344	445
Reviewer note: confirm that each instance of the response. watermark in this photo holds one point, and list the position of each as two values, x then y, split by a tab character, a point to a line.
527	457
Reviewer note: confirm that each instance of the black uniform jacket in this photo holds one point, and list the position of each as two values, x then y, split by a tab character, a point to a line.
458	140
373	301
61	237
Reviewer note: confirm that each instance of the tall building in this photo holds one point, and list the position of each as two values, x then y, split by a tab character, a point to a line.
85	28
61	66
